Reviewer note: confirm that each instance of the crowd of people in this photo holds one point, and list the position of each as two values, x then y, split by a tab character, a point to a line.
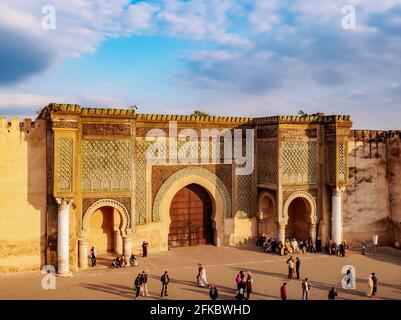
340	249
271	245
121	262
244	281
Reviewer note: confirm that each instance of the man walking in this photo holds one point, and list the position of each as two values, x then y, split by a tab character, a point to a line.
138	285
145	284
164	280
297	266
363	247
374	279
305	289
93	256
283	291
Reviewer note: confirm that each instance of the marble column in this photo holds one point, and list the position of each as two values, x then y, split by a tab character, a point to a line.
336	222
63	238
127	243
281	233
312	232
83	253
118	242
259	220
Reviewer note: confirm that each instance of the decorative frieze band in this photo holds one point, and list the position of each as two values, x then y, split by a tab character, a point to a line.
106	129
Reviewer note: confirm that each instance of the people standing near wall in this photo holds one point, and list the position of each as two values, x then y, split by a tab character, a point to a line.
363	247
145	246
312	248
287	247
280	248
375	243
165	279
305	289
318	245
283	291
145	284
93	256
297	266
294	245
138	285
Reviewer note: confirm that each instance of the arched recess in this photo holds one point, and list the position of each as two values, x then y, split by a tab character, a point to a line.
267	214
121	209
300	215
216	188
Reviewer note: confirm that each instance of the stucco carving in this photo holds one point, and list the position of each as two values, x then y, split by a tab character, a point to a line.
65	159
106	165
106	203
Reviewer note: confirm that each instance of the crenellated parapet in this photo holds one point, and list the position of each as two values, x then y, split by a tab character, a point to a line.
374	135
189	118
27	127
307	119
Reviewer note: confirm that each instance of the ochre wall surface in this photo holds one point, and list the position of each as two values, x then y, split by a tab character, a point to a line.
372	199
22	194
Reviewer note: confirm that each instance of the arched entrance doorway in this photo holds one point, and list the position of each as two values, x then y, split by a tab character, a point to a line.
267	212
299	222
104	225
191	217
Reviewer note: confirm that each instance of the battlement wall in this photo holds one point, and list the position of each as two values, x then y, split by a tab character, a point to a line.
22	194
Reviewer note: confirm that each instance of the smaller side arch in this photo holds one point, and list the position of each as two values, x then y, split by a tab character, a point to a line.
122	210
308	197
272	198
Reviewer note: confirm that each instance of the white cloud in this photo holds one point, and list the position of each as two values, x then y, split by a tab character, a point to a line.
28	100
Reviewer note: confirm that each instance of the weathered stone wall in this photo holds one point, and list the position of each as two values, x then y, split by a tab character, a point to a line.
22	194
394	177
372	200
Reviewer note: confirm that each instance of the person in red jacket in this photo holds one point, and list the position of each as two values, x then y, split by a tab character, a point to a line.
283	291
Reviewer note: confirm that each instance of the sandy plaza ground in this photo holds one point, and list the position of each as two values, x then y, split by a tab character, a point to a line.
222	265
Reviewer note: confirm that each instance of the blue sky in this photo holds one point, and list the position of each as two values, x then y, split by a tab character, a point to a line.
237	58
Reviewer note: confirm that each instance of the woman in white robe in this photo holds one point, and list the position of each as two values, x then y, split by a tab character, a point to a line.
202	280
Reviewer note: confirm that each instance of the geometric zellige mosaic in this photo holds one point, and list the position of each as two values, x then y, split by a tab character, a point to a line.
106	165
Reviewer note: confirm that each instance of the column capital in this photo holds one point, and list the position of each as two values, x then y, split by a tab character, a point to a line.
63	202
337	191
